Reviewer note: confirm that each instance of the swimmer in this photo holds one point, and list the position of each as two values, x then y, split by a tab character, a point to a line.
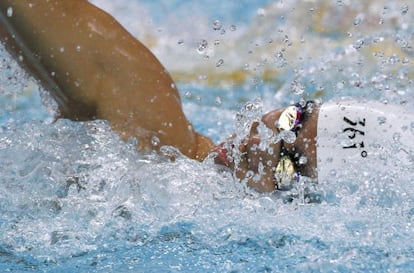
95	69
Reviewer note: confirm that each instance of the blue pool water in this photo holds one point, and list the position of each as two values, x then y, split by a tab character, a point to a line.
75	198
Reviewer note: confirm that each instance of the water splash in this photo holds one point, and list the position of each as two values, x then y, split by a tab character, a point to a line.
88	201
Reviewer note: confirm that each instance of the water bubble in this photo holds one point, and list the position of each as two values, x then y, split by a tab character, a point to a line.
9	12
219	63
78	48
233	28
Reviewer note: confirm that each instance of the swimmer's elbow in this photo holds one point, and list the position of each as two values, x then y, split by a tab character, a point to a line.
204	146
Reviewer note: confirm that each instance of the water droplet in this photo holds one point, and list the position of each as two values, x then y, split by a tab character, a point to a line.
303	160
217	25
202	45
358	44
270	150
404	10
218	100
233	28
288	136
78	48
261	12
396	137
62	49
155	141
358	20
381	120
10	12
203	77
280	59
297	88
219	63
249	174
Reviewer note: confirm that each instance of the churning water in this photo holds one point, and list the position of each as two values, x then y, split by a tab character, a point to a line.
75	198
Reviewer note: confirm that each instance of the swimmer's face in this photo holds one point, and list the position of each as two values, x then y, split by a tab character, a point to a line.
263	163
260	162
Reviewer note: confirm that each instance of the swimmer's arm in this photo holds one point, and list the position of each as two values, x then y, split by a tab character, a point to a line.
102	71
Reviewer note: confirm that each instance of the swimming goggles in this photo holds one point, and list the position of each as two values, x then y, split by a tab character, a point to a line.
285	171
